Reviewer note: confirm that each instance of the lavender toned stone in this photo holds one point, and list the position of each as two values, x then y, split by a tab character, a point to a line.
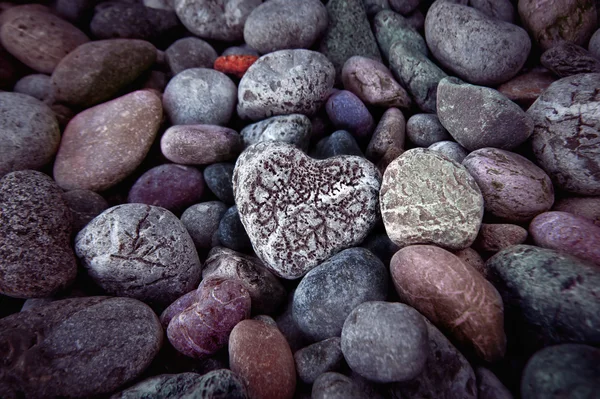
450	149
298	211
391	27
338	143
293	129
200	144
567	59
347	112
190	52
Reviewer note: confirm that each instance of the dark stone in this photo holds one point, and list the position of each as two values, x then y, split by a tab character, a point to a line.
219	179
232	233
338	143
566	59
318	358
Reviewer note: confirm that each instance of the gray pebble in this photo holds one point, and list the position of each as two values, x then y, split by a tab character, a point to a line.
594	44
489	386
425	129
333	385
202	222
36	85
139	251
190	52
85	205
391	27
240	50
294	129
232	233
200	96
172	386
289	328
451	149
222	383
385	342
219	179
372	7
566	59
336	287
404	7
339	142
499	9
318	358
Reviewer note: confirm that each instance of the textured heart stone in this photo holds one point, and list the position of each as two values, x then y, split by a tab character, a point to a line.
298	211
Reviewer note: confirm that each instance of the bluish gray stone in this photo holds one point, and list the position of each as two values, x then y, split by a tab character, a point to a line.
450	149
390	27
318	358
338	143
202	222
425	130
232	233
190	52
218	178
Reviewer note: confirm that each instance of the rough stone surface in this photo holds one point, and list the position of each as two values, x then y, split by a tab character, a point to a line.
285	82
496	237
29	133
293	129
335	287
190	52
550	296
85	205
478	49
390	27
222	383
175	386
202	222
424	130
83	347
333	385
318	358
388	136
566	138
472	258
526	88
453	296
338	143
219	179
139	251
587	207
298	211
478	116
385	342
428	199
566	59
513	187
36	259
489	386
104	144
450	149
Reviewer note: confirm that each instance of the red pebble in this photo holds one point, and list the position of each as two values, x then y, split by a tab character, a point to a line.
234	64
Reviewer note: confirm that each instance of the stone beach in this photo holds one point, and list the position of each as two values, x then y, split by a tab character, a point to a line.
265	199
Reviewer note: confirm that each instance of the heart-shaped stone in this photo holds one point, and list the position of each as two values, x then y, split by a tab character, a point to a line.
299	211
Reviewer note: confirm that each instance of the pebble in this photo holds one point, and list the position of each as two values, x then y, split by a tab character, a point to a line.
29	133
566	59
35	85
104	144
236	65
178	306
450	149
372	7
232	233
565	140
85	205
289	328
348	34
404	7
498	9
336	287
189	52
567	233
285	82
293	129
219	179
222	383
472	258
347	112
285	24
261	356
475	47
569	369
338	143
204	327
215	19
139	251
333	385
373	83
381	246
587	207
332	205
170	186
202	222
36	259
479	117
390	27
594	44
266	291
97	71
424	130
318	358
200	144
551	296
496	237
82	347
388	136
562	20
513	187
427	198
385	342
38	38
200	96
526	88
175	386
243	49
489	386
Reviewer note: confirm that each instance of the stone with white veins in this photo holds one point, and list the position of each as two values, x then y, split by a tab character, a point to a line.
294	129
299	211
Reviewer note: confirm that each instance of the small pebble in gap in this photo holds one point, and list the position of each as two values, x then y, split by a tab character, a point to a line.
219	179
289	328
293	129
243	49
318	358
232	233
202	222
496	237
450	149
390	27
587	207
594	44
35	85
381	246
567	233
173	386
498	9
338	143
566	59
489	386
189	52
235	64
425	129
385	342
388	136
472	258
333	385
200	96
347	112
404	7
526	88
85	205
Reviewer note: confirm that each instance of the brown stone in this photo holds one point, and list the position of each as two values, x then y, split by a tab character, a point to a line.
453	296
390	133
496	237
471	258
260	355
526	88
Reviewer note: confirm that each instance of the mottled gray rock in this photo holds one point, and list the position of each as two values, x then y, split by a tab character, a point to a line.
29	133
425	130
336	287
139	251
594	44
299	211
202	222
219	179
232	233
333	385
84	205
478	49
215	19
190	52
478	116
388	136
385	342
390	27
83	347
450	149
222	383
285	82
176	386
489	386
566	59
337	143
318	358
513	187
293	129
200	96
566	137
428	198
551	297
499	9
36	85
285	24
36	259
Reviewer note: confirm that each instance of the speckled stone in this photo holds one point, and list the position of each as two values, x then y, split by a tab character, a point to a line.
337	143
293	129
202	222
285	82
391	27
85	205
567	59
388	136
102	145
189	52
450	149
587	207
333	385
566	140
139	251
175	386
453	296
328	205
526	88
232	233
513	187
424	130
318	358
219	179
427	198
496	237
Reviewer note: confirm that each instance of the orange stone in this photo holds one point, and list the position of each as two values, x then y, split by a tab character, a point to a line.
234	64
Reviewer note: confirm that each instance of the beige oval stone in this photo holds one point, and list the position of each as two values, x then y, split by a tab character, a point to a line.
453	296
104	144
38	38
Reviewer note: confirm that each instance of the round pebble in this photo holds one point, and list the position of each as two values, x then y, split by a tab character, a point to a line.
85	205
388	136
594	44
333	385
425	129
189	52
202	222
35	85
496	237
219	179
450	149
318	358
232	233
347	112
293	129
338	143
